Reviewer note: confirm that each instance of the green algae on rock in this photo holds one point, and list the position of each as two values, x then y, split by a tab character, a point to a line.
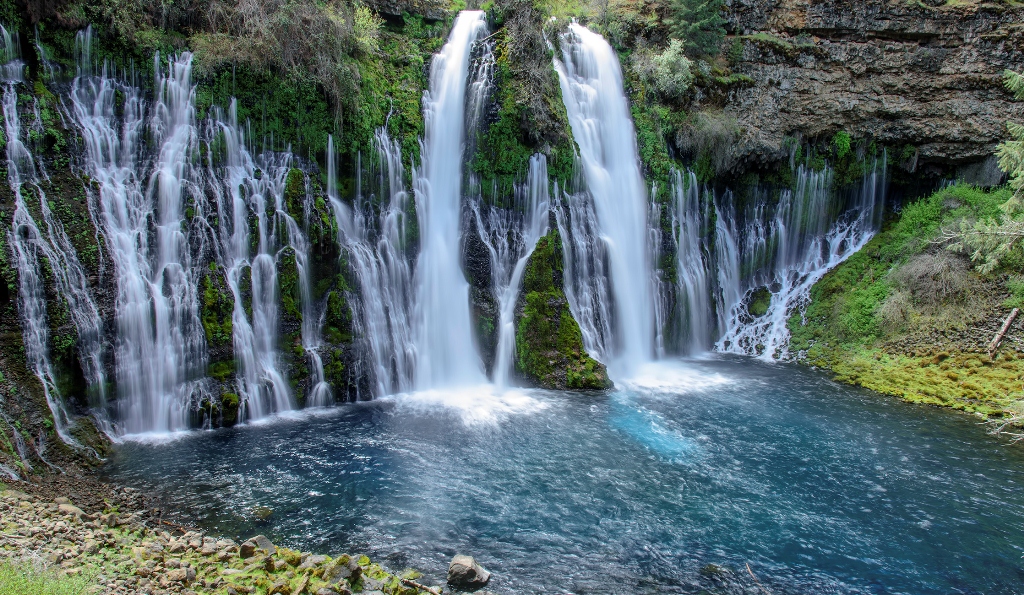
549	344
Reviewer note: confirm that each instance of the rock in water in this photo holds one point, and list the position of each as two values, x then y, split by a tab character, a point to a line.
465	572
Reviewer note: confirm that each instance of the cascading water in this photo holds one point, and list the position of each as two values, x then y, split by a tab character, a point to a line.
160	352
377	255
690	223
30	245
445	352
592	90
587	283
811	232
243	191
510	235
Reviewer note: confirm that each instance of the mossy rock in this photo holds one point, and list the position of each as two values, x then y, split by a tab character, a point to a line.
229	403
760	301
549	343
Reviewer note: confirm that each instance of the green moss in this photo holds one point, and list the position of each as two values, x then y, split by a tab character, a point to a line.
501	154
288	283
549	344
221	370
295	193
216	305
843	327
760	301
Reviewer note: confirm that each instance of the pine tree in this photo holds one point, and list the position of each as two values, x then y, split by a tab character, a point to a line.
989	241
1011	152
698	24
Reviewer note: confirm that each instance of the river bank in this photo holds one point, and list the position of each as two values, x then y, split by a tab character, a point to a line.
107	540
905	316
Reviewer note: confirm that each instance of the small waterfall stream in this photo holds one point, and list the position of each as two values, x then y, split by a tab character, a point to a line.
445	352
31	247
160	351
510	235
244	190
811	232
377	250
592	90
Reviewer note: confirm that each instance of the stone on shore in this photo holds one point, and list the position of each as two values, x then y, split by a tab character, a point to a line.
465	572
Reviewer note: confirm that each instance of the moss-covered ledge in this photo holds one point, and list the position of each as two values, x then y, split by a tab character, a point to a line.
549	344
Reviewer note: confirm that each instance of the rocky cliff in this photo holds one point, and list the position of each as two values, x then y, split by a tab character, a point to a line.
924	75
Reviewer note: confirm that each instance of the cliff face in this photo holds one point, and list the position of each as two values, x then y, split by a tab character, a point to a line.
899	72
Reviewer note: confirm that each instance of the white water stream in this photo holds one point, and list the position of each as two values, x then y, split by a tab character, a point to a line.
592	90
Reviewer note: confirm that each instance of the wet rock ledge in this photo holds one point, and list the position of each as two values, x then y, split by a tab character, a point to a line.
127	552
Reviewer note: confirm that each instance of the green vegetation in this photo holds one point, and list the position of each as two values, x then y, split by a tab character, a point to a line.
217	306
24	579
759	302
906	317
699	23
549	344
529	116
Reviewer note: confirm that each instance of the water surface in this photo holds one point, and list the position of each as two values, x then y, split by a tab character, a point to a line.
672	484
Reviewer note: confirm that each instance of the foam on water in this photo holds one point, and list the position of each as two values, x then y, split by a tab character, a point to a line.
672	376
481	405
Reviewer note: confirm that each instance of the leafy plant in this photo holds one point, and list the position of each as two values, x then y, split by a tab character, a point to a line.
672	74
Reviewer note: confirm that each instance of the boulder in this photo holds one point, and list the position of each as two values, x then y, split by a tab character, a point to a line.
70	509
465	572
263	543
246	550
344	568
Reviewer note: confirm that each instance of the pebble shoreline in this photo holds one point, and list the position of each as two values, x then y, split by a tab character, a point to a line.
128	553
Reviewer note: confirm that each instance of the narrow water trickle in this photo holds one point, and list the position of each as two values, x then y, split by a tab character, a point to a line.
592	90
510	235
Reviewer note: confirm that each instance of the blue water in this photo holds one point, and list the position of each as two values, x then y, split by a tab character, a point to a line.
818	487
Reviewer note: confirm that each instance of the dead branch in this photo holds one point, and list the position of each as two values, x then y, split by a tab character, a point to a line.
994	345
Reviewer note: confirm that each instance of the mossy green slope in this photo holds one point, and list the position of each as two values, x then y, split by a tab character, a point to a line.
909	318
549	344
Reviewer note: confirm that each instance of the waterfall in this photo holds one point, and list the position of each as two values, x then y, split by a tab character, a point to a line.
690	223
587	284
244	190
30	245
510	235
377	256
160	351
445	351
811	231
592	89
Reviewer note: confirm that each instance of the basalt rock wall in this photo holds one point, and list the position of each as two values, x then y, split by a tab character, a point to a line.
927	75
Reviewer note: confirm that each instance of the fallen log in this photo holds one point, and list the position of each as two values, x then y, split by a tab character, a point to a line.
415	585
994	345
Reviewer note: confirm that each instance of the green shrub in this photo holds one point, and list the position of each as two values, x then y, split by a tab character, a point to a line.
672	75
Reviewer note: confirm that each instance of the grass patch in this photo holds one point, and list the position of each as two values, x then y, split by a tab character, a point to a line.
26	580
